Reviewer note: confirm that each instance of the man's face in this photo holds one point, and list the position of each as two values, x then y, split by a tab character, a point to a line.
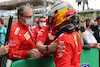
27	15
42	22
82	24
91	22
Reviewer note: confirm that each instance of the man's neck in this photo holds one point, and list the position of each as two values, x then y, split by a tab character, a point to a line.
21	23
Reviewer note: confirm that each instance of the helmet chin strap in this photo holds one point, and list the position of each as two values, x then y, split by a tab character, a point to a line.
68	27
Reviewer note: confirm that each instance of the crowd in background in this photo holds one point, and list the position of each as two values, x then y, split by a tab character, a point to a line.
88	30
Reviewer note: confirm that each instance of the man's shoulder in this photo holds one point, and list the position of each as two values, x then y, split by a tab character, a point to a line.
14	26
61	36
67	35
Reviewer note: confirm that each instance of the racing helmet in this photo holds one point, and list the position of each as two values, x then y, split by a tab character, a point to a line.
61	15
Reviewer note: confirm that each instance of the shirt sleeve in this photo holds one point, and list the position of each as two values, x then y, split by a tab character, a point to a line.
14	53
86	45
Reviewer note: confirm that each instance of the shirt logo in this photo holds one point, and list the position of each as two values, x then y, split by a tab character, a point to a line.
16	56
61	48
85	65
75	40
17	30
27	35
40	33
12	42
51	37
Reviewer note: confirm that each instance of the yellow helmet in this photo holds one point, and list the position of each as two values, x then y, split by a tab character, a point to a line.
61	14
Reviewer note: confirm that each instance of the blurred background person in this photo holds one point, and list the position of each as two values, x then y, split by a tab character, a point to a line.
2	32
98	20
81	29
2	36
88	32
97	35
97	32
96	25
40	24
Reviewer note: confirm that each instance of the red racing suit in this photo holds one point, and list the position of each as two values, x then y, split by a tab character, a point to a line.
20	41
69	50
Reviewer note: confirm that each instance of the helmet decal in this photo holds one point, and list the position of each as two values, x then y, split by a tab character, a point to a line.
70	8
61	12
60	6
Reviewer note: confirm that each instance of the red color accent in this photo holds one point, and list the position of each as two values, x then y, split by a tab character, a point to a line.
56	18
47	21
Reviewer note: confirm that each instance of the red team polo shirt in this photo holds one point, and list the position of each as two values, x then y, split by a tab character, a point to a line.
20	42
